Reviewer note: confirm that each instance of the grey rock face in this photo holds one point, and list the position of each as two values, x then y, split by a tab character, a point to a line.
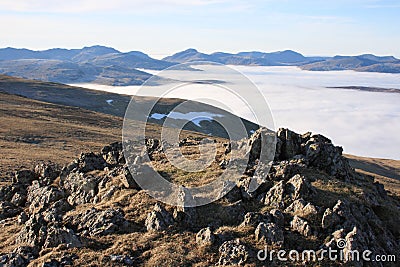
159	219
301	226
298	187
205	237
57	235
232	253
94	222
269	233
82	188
34	231
274	196
40	197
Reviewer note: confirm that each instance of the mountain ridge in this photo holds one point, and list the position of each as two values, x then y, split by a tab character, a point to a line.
108	66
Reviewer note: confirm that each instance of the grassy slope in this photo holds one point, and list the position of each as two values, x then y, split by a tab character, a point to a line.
385	171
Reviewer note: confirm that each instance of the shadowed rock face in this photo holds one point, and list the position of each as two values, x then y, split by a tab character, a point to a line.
310	198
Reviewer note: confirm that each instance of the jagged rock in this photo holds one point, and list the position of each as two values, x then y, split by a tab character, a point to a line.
113	154
355	240
57	235
205	237
82	188
13	260
329	219
322	154
86	162
94	222
8	210
56	210
262	146
20	256
47	173
298	187
338	214
277	217
232	253
245	189
7	192
152	145
270	233
126	179
274	196
231	212
252	219
286	169
302	208
290	144
40	198
34	231
301	226
159	219
24	177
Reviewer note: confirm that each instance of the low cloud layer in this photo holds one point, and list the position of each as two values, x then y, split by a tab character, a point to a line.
364	123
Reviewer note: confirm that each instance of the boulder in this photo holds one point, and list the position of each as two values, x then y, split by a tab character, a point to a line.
90	161
252	219
47	173
33	233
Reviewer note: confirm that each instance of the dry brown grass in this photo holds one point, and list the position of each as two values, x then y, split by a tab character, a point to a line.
385	171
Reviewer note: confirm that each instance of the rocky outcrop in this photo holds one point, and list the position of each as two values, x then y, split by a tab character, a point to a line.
96	197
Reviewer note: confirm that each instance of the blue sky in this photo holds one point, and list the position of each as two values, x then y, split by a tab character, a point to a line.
161	27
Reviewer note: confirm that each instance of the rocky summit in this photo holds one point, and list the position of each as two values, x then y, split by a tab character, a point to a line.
93	213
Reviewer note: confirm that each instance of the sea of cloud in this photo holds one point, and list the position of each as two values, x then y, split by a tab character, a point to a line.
363	123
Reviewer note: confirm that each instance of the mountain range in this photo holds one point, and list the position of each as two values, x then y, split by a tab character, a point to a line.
106	65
